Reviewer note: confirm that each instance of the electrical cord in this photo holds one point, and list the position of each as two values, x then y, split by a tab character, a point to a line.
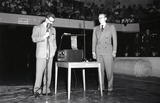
75	80
32	94
60	42
47	61
29	95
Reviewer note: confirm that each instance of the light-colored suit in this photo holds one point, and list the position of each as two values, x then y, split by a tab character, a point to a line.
45	51
103	44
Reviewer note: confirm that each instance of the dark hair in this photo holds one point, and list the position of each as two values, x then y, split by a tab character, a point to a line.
50	15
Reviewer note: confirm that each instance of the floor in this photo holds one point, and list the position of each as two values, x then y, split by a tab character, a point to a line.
17	88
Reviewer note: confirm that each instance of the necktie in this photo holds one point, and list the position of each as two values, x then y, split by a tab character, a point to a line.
102	28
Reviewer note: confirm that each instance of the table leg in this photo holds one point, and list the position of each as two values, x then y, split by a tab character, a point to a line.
56	75
84	79
100	79
69	81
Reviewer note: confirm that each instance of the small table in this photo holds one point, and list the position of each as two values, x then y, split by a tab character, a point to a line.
71	65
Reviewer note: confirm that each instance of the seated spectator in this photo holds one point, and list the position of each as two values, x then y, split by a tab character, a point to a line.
150	8
118	6
13	7
146	41
124	21
131	19
36	9
154	51
89	17
137	43
127	51
26	6
118	20
129	10
102	8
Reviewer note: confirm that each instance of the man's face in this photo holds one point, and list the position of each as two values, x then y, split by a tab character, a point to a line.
137	35
102	19
50	20
147	32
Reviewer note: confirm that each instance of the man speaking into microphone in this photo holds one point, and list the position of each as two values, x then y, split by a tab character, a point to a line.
44	35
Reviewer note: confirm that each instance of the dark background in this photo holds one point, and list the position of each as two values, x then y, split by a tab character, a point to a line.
17	51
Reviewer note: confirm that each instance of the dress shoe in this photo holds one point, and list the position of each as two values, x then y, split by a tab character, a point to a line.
49	94
110	89
37	95
109	92
103	88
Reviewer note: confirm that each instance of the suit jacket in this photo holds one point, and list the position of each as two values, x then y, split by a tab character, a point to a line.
104	43
42	46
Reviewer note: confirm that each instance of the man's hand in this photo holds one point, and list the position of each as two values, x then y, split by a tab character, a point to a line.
114	53
46	35
94	55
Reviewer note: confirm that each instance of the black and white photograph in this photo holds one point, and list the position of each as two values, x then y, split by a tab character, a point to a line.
79	51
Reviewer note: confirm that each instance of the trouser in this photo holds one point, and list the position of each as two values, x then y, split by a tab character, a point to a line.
106	66
41	74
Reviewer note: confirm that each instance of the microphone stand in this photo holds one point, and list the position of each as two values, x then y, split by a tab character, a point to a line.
47	56
47	60
60	42
84	41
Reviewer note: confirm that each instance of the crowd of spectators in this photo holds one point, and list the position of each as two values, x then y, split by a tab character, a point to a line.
78	10
134	13
71	9
144	45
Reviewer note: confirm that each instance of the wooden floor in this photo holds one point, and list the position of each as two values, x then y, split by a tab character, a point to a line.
16	88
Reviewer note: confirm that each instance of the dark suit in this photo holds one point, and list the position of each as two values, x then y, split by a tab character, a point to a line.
44	51
102	46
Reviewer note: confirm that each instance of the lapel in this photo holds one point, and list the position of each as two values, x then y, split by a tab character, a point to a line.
42	29
99	33
104	33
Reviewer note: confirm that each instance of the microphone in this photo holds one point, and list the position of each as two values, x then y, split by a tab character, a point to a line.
66	33
62	36
48	26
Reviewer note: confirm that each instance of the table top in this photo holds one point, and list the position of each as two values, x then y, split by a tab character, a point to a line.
78	64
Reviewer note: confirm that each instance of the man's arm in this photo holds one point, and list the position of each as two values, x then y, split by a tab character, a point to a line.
114	35
36	37
54	38
94	40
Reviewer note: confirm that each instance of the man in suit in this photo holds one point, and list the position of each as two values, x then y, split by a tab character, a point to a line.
104	48
44	35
